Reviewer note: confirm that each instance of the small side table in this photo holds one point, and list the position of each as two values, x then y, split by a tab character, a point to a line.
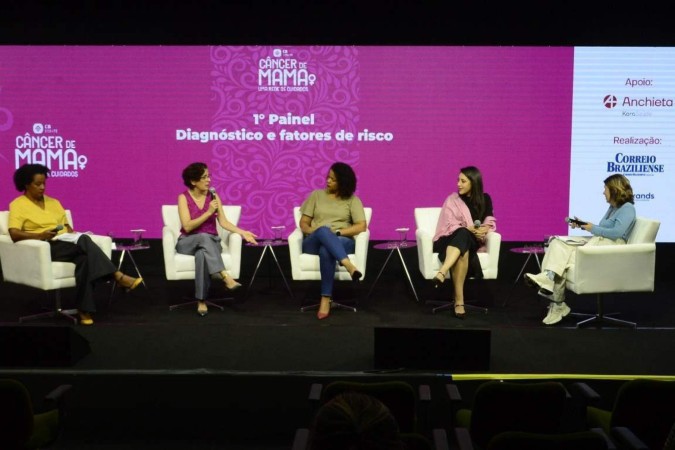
395	247
269	244
529	250
129	249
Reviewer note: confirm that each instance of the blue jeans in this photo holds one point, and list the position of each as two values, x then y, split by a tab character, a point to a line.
330	248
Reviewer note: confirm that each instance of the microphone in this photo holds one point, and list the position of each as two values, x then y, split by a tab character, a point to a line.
575	221
477	223
212	191
56	229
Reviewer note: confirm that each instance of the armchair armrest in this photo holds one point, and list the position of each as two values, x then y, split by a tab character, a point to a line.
301	439
493	245
361	250
440	438
26	262
588	395
104	242
56	399
169	239
463	438
425	252
233	246
625	438
295	250
453	393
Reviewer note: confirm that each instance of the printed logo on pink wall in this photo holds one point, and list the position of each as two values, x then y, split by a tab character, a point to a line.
289	106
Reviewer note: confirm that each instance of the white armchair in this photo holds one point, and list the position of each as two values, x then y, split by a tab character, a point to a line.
182	267
425	221
306	267
616	268
29	262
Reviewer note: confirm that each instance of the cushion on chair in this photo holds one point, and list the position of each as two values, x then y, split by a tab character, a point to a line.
644	231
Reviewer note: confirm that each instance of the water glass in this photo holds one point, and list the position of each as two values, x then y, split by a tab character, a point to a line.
402	236
278	231
138	236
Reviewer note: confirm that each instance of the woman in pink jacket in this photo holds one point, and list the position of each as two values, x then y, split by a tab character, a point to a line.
465	220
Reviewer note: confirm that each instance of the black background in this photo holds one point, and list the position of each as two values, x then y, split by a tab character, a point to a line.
172	22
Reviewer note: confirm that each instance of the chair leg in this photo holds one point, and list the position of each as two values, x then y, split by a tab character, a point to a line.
600	317
447	305
333	304
67	313
209	302
57	312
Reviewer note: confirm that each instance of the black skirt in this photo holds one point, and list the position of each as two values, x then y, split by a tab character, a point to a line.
463	240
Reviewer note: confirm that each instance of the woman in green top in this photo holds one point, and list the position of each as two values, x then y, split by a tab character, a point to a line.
331	217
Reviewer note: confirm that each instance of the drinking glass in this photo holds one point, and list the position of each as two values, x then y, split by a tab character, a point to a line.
402	236
277	232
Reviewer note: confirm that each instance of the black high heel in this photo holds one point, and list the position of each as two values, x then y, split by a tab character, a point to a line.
438	281
356	276
459	315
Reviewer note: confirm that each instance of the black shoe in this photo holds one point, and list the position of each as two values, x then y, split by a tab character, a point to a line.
458	314
356	276
438	281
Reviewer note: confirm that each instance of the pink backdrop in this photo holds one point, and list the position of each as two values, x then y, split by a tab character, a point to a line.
505	110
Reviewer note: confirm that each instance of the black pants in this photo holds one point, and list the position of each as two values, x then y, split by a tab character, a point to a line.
91	264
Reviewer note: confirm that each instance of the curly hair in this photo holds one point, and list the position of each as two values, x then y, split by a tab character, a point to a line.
346	179
193	172
355	421
620	190
23	176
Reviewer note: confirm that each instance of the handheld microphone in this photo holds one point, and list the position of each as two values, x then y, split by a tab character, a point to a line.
212	191
477	223
56	229
575	221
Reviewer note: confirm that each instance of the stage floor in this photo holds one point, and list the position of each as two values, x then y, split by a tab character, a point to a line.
263	330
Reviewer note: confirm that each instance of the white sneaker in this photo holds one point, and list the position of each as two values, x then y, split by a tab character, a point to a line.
549	315
541	280
556	313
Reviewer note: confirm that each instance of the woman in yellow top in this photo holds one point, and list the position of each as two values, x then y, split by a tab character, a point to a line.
331	217
34	215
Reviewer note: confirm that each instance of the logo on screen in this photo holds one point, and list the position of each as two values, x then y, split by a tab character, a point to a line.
282	72
609	101
638	165
644	197
45	146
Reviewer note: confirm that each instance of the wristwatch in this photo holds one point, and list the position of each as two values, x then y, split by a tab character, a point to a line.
337	233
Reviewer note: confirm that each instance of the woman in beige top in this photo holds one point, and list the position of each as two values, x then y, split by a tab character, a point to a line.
331	217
